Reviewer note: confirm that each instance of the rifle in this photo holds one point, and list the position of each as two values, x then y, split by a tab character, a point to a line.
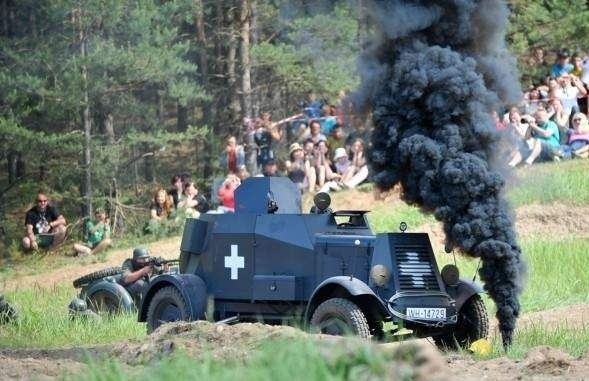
159	263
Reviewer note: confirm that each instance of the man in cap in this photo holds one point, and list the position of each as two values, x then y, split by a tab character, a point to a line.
562	65
136	272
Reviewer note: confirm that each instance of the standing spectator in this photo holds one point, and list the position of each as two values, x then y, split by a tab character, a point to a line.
570	88
265	134
233	155
577	66
562	65
44	224
161	205
226	192
97	235
311	106
299	169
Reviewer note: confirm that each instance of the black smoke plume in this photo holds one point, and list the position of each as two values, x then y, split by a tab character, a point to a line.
432	75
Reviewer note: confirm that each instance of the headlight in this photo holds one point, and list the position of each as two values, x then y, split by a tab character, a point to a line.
450	275
380	275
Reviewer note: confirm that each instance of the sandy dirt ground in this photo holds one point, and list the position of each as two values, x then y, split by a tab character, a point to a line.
540	363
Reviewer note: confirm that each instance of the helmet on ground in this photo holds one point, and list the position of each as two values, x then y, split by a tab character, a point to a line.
77	305
140	252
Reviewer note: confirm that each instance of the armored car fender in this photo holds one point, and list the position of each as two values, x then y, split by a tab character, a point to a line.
190	288
347	287
463	290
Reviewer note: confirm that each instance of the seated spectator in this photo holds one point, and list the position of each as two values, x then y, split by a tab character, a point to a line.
242	172
323	164
558	115
577	66
519	138
226	192
547	143
45	226
300	170
270	169
343	165
177	188
97	235
327	121
532	101
337	137
578	141
161	205
192	203
314	134
359	166
233	155
562	65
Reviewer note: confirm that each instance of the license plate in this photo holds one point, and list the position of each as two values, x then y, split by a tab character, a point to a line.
426	313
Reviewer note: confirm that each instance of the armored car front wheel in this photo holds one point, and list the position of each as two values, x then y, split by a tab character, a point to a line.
472	325
167	305
338	316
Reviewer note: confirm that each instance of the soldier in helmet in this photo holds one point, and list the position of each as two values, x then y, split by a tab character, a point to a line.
7	312
78	309
136	272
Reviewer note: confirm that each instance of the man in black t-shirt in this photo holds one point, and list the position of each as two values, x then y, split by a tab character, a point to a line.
44	225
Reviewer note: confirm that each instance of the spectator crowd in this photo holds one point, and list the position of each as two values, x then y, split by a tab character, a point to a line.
320	150
551	122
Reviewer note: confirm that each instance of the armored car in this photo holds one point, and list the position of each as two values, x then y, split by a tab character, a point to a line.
325	270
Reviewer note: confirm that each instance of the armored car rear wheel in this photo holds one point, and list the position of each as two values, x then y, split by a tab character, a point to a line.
340	317
104	301
167	305
472	325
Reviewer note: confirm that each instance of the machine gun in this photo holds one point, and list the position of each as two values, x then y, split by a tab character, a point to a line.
159	263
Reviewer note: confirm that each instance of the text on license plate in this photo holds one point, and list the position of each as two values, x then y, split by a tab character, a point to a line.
426	313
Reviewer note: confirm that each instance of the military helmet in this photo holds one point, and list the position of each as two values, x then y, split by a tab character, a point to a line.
140	252
77	305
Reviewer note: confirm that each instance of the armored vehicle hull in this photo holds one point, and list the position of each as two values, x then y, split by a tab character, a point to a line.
327	270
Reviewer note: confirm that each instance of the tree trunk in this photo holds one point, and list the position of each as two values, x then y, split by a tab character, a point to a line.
232	116
87	182
109	129
181	118
203	73
244	55
255	34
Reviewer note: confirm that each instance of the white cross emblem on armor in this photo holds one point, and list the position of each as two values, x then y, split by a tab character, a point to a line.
234	262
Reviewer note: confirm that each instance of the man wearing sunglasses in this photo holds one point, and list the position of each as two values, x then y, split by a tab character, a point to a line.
44	224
